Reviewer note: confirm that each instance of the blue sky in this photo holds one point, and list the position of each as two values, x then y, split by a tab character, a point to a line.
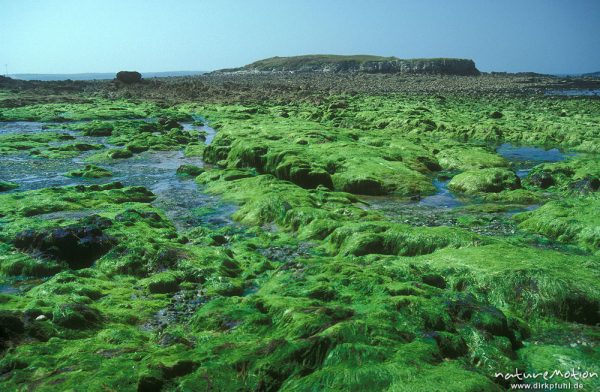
70	36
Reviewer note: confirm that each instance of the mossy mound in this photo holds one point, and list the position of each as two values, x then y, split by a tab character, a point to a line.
573	220
484	180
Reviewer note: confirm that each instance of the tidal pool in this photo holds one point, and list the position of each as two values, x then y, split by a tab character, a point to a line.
178	196
524	158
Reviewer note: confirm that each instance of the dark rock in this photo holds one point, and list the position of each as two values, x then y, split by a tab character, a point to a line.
492	320
129	76
10	325
585	185
364	186
149	384
463	307
434	280
580	309
179	369
79	244
541	179
41	330
168	123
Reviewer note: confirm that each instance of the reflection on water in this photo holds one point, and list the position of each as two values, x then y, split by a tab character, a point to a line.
524	158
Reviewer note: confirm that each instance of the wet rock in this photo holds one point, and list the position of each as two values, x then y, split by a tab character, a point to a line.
230	268
541	179
120	153
90	171
96	129
136	147
75	316
130	216
79	245
168	123
129	76
231	175
189	170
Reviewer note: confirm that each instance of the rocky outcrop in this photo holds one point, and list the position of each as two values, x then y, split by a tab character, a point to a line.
129	76
359	64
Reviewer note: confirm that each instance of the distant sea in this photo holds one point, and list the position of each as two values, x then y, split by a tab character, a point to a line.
100	76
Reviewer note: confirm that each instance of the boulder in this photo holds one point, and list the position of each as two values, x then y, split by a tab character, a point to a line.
129	76
79	245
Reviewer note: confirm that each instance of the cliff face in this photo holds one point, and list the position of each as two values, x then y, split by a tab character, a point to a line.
365	64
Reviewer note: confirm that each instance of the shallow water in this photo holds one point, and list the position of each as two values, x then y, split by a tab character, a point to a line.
524	158
575	93
445	208
179	197
443	198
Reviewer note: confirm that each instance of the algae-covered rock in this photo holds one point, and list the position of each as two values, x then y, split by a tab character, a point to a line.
79	244
469	158
573	220
7	186
164	282
120	153
76	316
189	170
484	180
579	175
90	171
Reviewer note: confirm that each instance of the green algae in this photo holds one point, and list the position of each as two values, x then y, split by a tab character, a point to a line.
90	171
573	220
484	180
315	291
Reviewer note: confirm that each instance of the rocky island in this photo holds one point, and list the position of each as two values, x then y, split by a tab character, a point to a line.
362	63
